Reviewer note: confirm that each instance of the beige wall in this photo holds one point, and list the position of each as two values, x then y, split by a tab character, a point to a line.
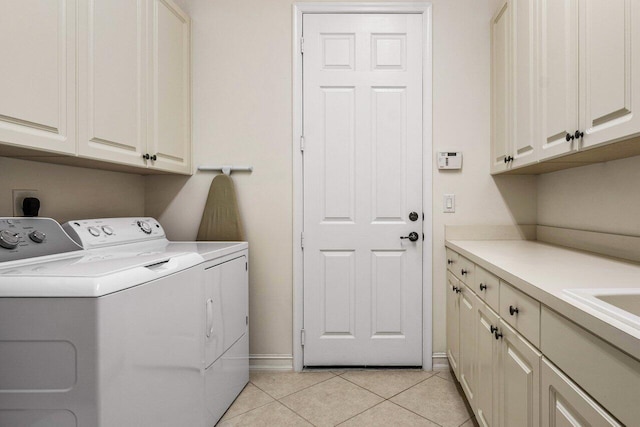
603	197
67	192
242	109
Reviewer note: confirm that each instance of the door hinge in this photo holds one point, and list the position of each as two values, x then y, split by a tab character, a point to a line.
301	45
302	240
302	143
246	266
302	337
246	320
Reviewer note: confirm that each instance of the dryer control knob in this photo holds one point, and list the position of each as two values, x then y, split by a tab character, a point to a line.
107	230
8	239
94	231
37	236
144	226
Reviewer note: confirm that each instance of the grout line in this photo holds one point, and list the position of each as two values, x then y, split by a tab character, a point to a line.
362	412
304	388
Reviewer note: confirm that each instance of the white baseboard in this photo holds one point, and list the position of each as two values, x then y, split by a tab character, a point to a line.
270	362
440	362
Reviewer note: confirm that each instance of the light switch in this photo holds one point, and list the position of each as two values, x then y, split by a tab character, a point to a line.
449	203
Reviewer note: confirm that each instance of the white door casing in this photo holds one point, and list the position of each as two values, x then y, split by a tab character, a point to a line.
362	177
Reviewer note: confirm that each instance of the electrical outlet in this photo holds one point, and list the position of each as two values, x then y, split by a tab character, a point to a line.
18	197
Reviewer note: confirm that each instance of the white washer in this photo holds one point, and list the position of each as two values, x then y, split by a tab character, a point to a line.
133	330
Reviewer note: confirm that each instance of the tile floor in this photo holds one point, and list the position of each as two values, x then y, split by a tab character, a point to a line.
374	397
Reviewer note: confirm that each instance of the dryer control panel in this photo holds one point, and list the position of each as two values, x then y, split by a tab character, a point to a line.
22	238
103	232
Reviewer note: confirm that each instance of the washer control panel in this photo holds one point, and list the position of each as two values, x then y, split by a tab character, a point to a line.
22	238
97	233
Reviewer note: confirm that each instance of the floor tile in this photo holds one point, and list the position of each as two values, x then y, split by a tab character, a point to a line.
387	382
280	384
387	414
272	414
471	423
446	375
437	400
331	402
250	398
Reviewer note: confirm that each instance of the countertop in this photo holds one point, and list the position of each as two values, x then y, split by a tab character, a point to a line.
544	272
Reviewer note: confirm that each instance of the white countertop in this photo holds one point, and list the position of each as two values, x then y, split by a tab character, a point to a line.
545	271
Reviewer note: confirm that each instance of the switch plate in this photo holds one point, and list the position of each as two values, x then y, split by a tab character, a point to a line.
18	197
449	203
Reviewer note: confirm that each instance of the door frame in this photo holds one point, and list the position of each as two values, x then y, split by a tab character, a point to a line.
425	9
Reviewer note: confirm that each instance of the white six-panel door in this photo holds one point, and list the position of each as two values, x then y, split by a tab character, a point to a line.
362	102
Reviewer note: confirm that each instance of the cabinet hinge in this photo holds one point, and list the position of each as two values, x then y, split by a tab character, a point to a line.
302	240
302	143
301	45
302	337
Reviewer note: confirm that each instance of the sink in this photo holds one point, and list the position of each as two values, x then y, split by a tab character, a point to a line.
620	304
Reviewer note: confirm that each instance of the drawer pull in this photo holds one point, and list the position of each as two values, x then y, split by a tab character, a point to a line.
497	334
464	272
494	329
449	261
513	310
483	287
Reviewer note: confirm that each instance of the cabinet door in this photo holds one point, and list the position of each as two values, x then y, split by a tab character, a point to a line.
467	369
558	76
519	375
487	365
524	82
565	404
111	80
170	93
38	74
453	322
500	87
610	61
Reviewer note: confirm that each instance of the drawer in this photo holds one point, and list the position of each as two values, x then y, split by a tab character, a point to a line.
607	374
465	271
452	260
520	311
487	286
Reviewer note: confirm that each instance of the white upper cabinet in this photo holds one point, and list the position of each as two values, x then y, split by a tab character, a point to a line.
111	81
563	82
558	76
513	84
38	74
610	70
170	116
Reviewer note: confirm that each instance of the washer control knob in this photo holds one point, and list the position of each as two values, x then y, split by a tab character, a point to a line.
8	239
144	226
37	236
107	230
94	231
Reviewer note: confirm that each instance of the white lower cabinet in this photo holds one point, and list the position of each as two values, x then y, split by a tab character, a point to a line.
467	369
519	380
486	325
453	321
565	404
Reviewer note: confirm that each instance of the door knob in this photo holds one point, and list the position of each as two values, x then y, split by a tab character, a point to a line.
413	236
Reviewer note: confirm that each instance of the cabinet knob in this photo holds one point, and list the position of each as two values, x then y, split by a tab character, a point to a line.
153	158
508	159
146	156
494	329
513	310
497	334
569	137
456	289
449	261
483	286
578	134
464	272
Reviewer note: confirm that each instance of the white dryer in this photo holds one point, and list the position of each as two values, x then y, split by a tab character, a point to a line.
126	332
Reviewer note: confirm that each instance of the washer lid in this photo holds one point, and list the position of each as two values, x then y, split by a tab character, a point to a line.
91	273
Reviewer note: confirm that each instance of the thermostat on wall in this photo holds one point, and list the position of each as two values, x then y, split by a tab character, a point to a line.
449	160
